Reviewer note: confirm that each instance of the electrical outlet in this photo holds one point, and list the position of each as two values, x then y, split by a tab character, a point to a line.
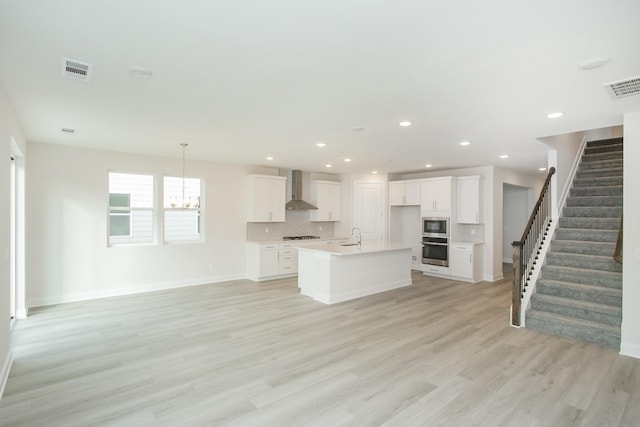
414	258
473	231
266	230
320	228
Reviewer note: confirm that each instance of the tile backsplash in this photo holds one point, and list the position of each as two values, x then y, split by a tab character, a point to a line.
473	233
296	223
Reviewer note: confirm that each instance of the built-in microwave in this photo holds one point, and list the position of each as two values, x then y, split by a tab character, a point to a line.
435	226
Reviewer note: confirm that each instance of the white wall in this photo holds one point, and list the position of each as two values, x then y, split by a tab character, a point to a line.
67	251
630	344
10	133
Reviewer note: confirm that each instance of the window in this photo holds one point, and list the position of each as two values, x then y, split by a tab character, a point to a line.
130	208
182	206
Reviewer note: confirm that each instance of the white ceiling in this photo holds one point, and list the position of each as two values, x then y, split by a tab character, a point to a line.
240	80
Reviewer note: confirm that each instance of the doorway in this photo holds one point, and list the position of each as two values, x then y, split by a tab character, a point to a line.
12	244
516	209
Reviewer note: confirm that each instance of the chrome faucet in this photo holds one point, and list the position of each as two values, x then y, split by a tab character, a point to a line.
358	234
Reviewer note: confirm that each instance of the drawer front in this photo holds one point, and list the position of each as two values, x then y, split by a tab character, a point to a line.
286	252
285	246
286	267
269	247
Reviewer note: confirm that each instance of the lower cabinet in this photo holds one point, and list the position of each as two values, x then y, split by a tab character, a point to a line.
465	262
268	261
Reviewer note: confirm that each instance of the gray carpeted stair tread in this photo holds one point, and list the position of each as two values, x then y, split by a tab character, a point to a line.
583	276
605	142
594	332
598	181
601	164
603	149
611	190
599	173
589	223
594	201
586	235
585	247
592	262
596	312
606	155
592	211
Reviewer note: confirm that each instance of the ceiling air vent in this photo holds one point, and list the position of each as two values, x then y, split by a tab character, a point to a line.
624	88
76	70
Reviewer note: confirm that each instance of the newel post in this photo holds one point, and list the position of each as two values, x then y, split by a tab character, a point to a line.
516	291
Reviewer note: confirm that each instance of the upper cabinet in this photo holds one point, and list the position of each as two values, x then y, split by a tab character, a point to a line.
435	195
327	197
266	198
403	193
468	200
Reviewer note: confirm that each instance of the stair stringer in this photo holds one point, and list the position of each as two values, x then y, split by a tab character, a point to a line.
530	289
562	200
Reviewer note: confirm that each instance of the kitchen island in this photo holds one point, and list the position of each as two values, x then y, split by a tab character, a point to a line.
336	273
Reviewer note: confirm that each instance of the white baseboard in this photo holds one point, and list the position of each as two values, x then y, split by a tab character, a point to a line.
631	350
493	278
4	374
83	296
22	313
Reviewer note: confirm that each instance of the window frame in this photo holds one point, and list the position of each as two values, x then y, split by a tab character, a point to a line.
200	226
153	210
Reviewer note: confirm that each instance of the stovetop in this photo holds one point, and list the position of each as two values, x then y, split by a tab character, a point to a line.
300	237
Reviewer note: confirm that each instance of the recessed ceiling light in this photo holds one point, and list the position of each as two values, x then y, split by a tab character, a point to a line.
465	143
347	159
328	165
270	157
542	169
321	144
428	165
374	172
593	63
140	72
555	115
405	123
504	156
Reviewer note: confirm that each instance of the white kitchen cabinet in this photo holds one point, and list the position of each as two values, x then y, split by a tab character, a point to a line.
465	261
327	197
436	270
266	198
435	196
262	260
468	200
286	258
404	193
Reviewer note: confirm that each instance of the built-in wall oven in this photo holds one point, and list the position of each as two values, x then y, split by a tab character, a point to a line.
435	241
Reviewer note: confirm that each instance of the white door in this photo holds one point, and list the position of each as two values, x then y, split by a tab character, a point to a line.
369	210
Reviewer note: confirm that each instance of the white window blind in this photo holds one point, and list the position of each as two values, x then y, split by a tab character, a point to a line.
182	215
130	208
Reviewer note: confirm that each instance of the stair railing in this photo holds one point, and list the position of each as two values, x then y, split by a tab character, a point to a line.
525	250
617	253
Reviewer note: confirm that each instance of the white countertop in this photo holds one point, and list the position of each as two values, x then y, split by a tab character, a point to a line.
367	247
320	240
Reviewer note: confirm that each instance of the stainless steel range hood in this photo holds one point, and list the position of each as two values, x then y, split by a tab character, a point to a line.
296	202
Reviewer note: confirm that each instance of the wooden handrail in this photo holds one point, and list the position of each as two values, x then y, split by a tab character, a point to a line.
552	170
526	249
617	253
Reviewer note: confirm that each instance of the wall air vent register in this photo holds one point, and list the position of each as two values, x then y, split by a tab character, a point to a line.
76	70
624	88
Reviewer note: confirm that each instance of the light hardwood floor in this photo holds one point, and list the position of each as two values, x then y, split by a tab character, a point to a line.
243	353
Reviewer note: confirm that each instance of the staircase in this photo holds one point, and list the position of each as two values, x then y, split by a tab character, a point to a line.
579	292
